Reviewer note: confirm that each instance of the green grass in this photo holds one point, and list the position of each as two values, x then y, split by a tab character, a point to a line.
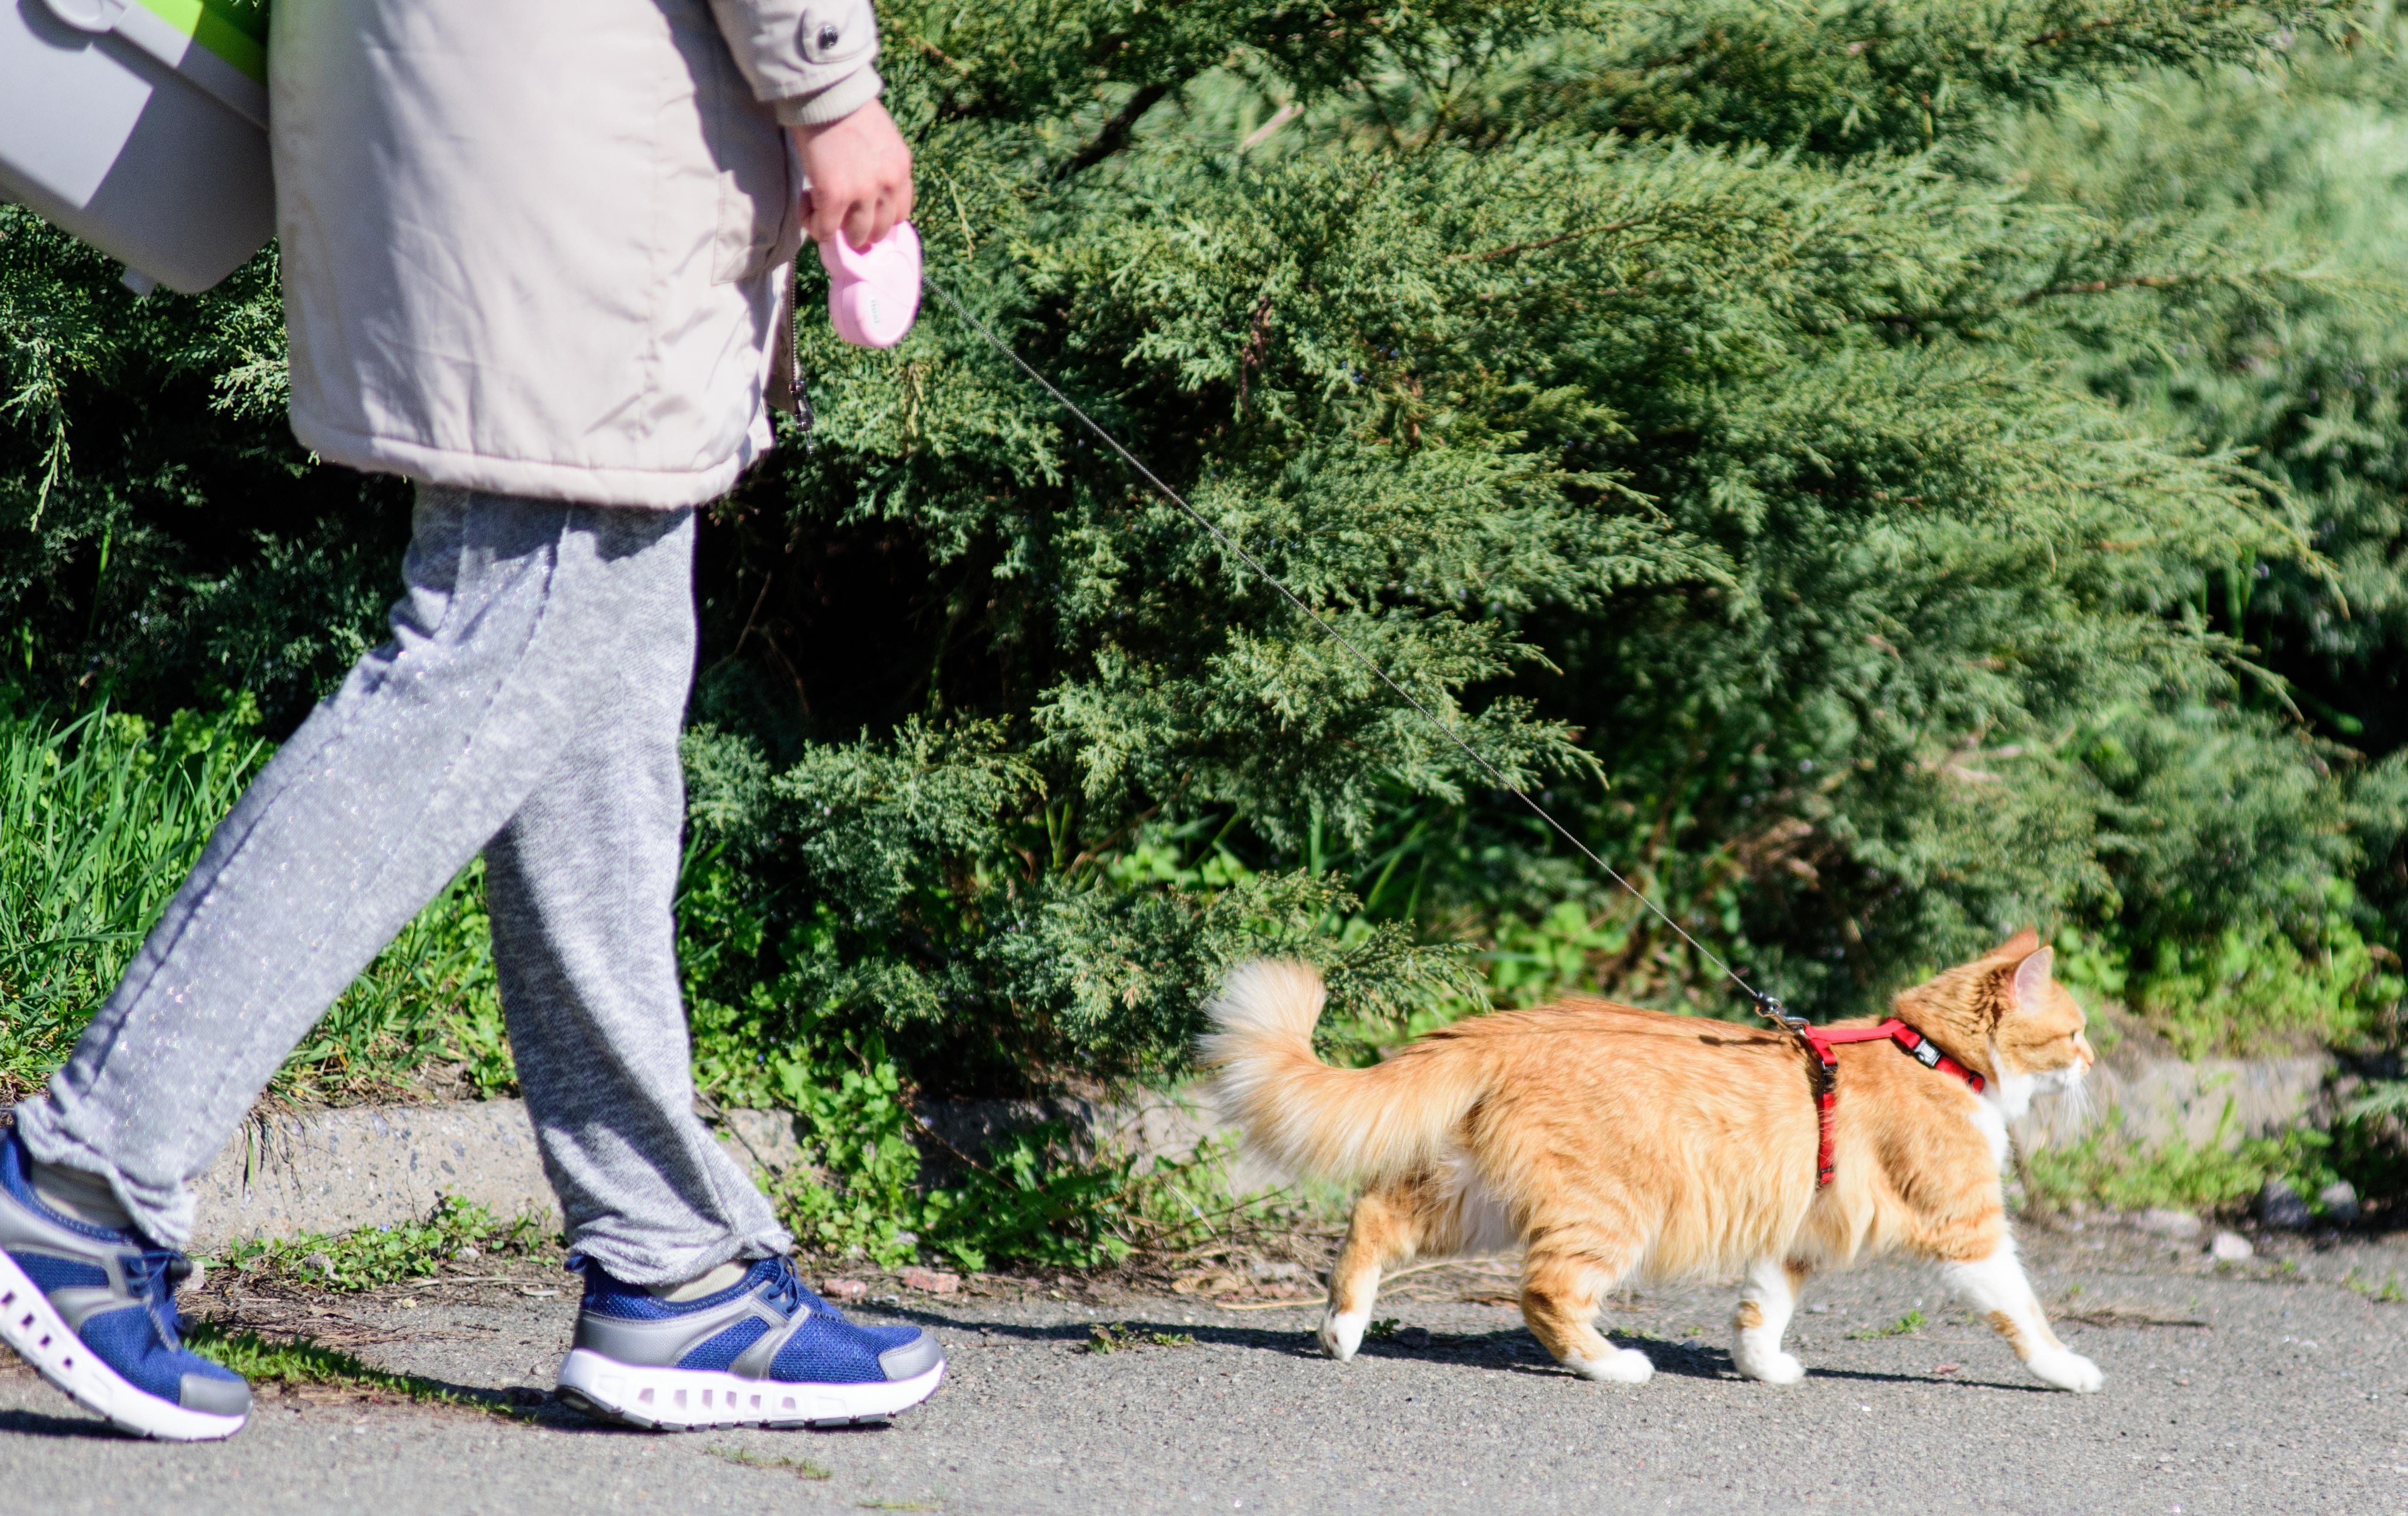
299	1360
100	818
1905	1326
102	815
368	1257
1105	1338
430	997
2108	1168
2386	1293
802	1468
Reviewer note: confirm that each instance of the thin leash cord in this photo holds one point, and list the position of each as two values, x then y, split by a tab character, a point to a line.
1768	1006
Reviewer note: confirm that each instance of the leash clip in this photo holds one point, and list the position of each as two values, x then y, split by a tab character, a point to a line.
1770	1008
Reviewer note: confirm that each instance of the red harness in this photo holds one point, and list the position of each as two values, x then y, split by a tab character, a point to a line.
1827	1100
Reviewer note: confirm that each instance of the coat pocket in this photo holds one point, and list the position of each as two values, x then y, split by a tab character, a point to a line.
760	216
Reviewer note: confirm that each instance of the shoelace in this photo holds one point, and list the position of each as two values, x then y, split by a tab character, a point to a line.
785	1291
154	1275
782	1289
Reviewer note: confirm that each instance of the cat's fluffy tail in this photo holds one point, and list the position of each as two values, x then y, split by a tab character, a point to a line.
1352	1124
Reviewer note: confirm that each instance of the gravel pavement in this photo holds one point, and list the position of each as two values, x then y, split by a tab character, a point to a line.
2268	1386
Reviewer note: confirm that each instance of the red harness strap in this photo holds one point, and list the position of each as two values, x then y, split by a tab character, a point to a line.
1827	1100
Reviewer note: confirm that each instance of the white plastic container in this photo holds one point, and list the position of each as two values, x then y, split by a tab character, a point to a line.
141	128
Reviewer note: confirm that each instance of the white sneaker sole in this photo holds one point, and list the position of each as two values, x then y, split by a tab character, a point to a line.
41	1338
675	1399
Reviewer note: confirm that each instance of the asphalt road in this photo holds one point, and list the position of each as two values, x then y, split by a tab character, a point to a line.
2292	1397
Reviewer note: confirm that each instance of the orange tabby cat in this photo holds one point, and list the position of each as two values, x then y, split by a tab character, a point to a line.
1609	1144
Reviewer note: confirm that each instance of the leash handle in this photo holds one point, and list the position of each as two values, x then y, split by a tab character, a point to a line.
873	291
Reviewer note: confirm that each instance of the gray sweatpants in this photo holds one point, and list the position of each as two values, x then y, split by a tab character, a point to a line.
528	704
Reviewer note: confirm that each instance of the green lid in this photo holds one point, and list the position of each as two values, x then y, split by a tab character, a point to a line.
248	17
234	30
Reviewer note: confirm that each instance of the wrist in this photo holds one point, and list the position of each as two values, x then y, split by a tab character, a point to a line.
807	115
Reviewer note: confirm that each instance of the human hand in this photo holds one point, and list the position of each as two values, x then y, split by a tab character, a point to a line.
860	173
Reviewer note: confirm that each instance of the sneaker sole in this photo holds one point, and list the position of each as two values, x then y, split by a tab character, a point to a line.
677	1399
41	1337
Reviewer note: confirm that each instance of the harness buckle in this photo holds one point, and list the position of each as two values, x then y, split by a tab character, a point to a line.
1924	1053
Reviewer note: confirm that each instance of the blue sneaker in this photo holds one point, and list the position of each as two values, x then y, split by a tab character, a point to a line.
764	1351
94	1310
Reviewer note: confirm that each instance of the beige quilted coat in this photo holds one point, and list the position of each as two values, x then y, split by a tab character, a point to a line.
543	246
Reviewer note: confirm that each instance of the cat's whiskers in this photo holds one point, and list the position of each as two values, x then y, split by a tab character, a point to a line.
2075	1092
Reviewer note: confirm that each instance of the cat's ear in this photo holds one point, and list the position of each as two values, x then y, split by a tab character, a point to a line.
2032	978
2022	943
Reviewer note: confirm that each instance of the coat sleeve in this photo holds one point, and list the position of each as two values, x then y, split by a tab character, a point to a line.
815	59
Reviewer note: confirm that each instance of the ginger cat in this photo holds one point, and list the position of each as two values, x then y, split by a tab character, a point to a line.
1608	1143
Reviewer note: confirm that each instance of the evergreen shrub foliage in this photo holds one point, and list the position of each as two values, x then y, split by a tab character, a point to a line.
1885	474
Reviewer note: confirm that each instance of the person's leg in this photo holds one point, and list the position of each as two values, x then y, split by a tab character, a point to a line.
580	884
431	745
433	742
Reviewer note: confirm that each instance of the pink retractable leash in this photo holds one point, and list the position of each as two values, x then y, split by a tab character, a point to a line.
873	291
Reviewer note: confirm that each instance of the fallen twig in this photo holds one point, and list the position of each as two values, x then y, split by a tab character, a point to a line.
1268	1305
2130	1316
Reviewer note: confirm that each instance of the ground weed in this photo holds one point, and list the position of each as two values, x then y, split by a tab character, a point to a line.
802	1468
1104	1337
369	1256
1905	1326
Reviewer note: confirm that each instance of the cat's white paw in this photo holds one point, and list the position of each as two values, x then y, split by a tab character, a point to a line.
1341	1332
2068	1370
1775	1367
1624	1366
